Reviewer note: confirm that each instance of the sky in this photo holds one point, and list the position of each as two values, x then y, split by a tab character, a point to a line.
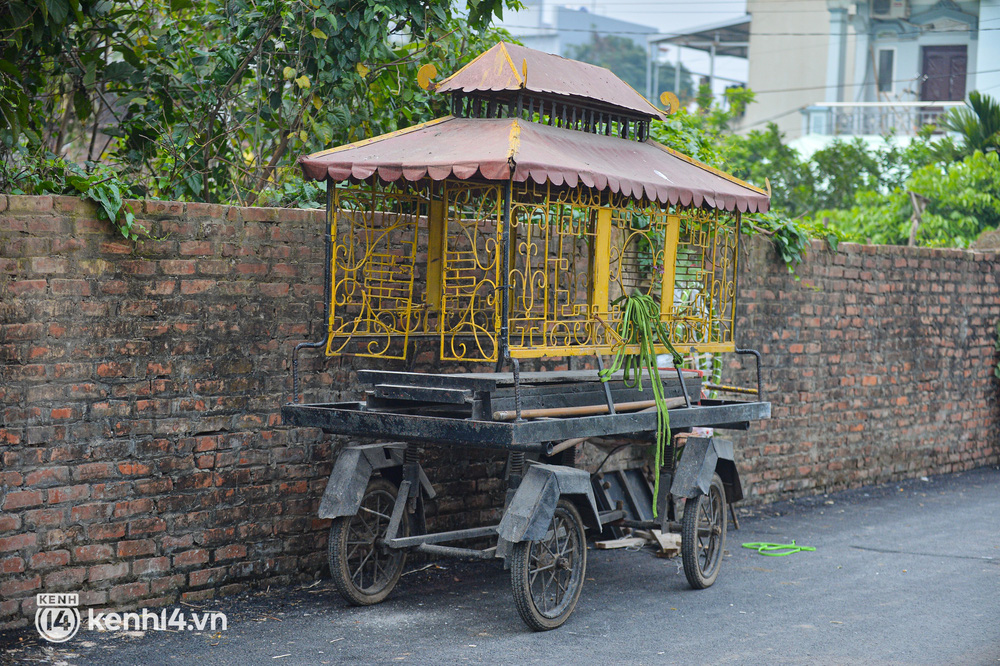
672	16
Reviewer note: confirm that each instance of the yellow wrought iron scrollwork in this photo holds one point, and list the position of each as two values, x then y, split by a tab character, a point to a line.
470	313
373	267
426	261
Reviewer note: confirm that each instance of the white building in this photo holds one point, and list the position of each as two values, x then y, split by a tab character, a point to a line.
552	27
867	67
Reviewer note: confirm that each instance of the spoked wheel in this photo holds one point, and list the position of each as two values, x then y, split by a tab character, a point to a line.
703	535
547	575
364	571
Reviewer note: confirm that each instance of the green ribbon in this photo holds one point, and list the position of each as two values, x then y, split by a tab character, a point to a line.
771	549
641	326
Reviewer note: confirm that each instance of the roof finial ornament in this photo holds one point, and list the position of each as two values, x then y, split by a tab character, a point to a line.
670	101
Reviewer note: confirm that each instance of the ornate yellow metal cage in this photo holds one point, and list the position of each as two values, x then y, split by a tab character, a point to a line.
514	227
434	260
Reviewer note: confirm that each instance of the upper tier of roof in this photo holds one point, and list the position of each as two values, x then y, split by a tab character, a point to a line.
510	68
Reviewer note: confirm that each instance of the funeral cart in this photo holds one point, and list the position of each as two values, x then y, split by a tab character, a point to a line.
525	225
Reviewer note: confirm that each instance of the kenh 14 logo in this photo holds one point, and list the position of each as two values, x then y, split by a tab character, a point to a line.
57	618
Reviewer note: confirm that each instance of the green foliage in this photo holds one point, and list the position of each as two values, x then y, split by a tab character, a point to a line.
963	200
213	102
295	193
702	135
977	126
101	185
627	60
761	154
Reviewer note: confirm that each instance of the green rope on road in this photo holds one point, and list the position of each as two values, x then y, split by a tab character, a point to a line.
770	549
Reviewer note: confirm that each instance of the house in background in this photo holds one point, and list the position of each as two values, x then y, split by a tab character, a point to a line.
553	28
825	68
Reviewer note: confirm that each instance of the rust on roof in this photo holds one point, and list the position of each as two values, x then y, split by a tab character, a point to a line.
502	68
499	149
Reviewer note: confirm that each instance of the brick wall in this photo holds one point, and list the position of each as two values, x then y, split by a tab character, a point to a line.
142	456
879	364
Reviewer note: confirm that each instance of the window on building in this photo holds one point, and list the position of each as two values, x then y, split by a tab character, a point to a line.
886	69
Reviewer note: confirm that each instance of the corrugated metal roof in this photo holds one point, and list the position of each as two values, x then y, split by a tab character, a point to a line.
501	68
500	148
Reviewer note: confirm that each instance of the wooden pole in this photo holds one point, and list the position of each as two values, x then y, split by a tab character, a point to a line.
583	410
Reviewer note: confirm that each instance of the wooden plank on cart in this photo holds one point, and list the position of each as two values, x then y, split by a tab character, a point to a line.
566	376
624	542
423	394
478	382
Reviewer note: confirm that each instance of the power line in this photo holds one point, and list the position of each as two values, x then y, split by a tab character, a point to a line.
855	85
688	34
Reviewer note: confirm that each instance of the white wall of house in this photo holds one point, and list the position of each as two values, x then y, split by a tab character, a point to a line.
839	64
988	49
787	71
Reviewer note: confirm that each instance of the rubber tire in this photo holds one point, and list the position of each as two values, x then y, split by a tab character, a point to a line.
520	580
337	552
697	577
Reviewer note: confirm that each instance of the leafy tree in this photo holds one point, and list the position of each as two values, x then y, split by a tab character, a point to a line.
701	134
211	102
628	61
977	126
619	54
761	154
962	200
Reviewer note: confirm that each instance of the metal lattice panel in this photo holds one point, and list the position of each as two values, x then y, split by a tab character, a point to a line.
425	262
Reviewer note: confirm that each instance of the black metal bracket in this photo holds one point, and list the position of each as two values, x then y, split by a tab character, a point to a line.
684	389
328	282
756	355
607	387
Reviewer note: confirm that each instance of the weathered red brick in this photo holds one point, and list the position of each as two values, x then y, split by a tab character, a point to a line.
105	531
93	552
191	287
22	498
11	565
49	559
100	572
230	552
47	476
66	578
153	565
206	576
45	517
17	587
131	508
129	592
136	548
197	248
191	557
68	494
23	288
92	471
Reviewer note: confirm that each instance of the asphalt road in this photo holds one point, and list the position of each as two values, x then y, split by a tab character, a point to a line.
902	574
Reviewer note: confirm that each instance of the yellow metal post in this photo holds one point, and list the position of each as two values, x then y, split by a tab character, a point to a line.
602	261
435	254
670	240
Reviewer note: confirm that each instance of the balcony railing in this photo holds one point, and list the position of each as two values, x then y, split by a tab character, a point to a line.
871	118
